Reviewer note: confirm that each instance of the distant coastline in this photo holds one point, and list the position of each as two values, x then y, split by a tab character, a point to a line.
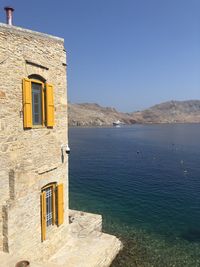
94	115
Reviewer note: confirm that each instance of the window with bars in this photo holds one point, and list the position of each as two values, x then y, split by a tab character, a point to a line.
52	206
49	206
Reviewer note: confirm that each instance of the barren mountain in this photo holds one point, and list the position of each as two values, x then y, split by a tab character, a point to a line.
170	112
87	114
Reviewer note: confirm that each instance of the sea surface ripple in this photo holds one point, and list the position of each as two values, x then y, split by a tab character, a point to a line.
144	180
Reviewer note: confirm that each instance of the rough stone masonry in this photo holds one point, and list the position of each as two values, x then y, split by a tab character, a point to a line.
30	158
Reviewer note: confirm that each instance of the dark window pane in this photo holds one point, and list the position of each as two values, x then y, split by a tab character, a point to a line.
36	118
37	103
36	108
36	100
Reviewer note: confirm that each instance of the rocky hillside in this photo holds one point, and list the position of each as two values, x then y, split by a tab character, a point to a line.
87	114
169	112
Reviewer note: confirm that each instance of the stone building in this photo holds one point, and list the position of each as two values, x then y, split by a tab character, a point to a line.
33	137
34	212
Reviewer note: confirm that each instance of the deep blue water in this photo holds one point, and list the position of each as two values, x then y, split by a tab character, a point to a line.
145	179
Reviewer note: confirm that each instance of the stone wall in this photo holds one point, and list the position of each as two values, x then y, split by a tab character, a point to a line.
30	158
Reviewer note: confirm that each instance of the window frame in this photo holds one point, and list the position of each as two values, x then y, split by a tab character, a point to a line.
57	207
43	104
51	186
48	104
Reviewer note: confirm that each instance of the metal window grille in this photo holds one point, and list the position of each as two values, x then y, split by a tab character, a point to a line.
49	208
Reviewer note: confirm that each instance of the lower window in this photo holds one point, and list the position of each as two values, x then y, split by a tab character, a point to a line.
49	205
52	206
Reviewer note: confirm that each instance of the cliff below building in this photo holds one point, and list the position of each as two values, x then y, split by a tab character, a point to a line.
87	114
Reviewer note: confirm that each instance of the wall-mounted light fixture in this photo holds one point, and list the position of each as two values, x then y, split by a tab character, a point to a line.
64	149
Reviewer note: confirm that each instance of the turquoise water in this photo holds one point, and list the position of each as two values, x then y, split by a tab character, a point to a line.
145	181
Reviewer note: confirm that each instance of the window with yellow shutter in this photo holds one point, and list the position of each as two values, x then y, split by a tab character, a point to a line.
49	105
38	103
52	207
60	204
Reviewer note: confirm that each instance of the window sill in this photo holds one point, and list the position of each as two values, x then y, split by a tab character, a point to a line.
38	126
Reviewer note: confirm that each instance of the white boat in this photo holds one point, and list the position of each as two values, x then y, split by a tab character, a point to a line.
117	123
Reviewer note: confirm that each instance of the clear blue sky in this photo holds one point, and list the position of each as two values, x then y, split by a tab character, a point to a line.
129	54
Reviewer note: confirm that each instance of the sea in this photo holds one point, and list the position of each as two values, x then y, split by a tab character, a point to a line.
145	181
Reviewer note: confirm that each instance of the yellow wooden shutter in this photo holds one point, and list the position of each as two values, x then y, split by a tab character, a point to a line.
27	103
43	215
60	203
49	105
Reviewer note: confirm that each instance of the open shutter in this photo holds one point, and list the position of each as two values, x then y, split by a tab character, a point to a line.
49	105
43	215
60	204
27	103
